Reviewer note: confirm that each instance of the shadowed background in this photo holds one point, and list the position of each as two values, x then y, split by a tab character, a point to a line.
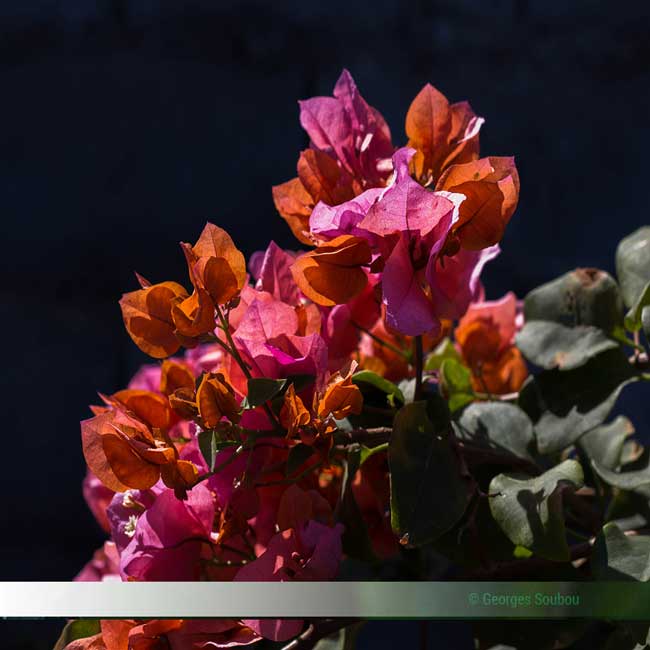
127	124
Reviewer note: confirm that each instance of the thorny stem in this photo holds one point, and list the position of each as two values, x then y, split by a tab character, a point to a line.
418	354
380	341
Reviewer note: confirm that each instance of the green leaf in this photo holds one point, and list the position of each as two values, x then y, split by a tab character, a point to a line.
429	492
499	426
297	456
261	390
645	321
456	384
210	444
633	264
552	345
356	541
344	639
604	444
79	629
565	404
625	480
580	297
634	317
366	378
367	452
529	511
618	556
444	350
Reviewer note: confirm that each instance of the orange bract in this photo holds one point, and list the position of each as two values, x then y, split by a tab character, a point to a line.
294	203
123	452
194	316
491	189
147	315
148	406
215	399
441	133
174	375
293	414
321	177
332	274
341	397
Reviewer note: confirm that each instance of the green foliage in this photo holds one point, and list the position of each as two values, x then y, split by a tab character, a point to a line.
625	480
633	264
261	390
530	511
344	639
580	297
566	404
429	491
298	455
618	556
356	541
456	384
604	444
367	380
444	350
211	443
635	316
500	426
552	345
78	629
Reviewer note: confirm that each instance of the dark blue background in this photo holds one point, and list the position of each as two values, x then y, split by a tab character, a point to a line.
126	124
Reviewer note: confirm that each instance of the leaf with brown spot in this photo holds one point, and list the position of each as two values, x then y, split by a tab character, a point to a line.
491	189
332	274
147	315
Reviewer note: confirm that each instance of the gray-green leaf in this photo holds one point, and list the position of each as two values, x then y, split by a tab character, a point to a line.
604	444
634	317
580	297
529	511
566	404
633	264
618	556
498	426
429	492
630	480
552	345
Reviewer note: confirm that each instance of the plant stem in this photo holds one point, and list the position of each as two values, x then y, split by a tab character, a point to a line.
232	348
418	355
385	344
318	630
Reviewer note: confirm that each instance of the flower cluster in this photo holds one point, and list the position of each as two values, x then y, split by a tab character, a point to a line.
360	402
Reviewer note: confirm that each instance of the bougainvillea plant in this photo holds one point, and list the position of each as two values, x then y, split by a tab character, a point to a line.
358	409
